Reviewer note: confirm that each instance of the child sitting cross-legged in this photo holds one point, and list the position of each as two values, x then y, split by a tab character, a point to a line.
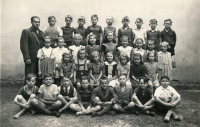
143	98
103	96
167	98
84	93
68	94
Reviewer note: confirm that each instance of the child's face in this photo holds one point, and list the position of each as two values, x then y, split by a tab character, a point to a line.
109	57
153	25
110	37
66	82
123	60
164	48
60	43
151	46
104	84
137	60
151	57
47	43
122	80
95	58
109	20
30	83
67	58
81	22
125	22
124	42
92	40
138	23
77	40
139	44
52	22
82	54
68	21
48	81
94	21
85	84
167	24
143	84
164	82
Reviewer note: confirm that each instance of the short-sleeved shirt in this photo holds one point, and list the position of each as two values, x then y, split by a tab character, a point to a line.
123	69
144	96
97	30
151	69
167	93
82	31
74	50
125	50
58	52
48	91
48	52
140	33
23	91
137	71
169	36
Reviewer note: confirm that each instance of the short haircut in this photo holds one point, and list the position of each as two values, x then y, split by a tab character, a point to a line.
111	54
121	75
146	80
48	75
69	16
125	18
30	75
81	18
60	38
78	36
103	78
34	17
47	38
140	19
51	17
110	17
85	78
139	39
153	21
94	53
125	37
168	20
164	44
164	76
94	16
123	55
151	42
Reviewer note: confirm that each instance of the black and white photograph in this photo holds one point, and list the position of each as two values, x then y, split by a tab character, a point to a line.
100	63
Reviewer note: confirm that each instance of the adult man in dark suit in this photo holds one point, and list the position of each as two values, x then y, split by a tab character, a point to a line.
31	41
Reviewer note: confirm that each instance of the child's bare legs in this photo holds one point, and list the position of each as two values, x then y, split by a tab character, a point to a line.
88	110
23	101
55	106
118	108
75	107
148	105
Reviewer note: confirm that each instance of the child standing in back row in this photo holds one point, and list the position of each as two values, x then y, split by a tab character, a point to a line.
68	31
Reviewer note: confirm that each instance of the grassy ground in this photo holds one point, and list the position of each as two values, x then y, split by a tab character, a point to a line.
189	110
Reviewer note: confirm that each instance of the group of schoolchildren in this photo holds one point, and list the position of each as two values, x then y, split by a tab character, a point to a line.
95	71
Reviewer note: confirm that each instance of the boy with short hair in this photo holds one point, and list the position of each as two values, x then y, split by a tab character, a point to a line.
124	94
47	98
125	31
140	32
103	96
81	30
167	98
154	34
68	94
143	97
169	35
95	29
53	31
68	31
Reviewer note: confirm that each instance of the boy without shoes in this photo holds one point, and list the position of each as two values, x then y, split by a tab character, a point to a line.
124	94
68	94
53	31
167	98
104	96
47	98
81	30
95	29
125	31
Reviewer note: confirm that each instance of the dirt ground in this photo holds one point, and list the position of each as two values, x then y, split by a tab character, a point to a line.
189	109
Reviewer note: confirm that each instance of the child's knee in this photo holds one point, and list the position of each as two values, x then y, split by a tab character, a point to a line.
59	96
20	98
72	106
32	96
33	101
58	103
97	99
134	98
131	104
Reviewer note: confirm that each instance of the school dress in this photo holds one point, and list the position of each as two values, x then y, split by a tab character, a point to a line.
66	68
81	69
25	95
96	69
47	61
110	70
164	63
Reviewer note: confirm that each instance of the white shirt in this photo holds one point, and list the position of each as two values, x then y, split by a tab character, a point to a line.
47	52
127	50
75	49
58	52
140	33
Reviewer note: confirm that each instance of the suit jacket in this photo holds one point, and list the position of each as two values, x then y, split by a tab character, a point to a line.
29	44
123	97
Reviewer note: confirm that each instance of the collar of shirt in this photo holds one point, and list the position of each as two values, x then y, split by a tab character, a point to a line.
46	48
80	27
167	30
165	88
154	30
139	49
113	63
66	88
125	27
139	29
